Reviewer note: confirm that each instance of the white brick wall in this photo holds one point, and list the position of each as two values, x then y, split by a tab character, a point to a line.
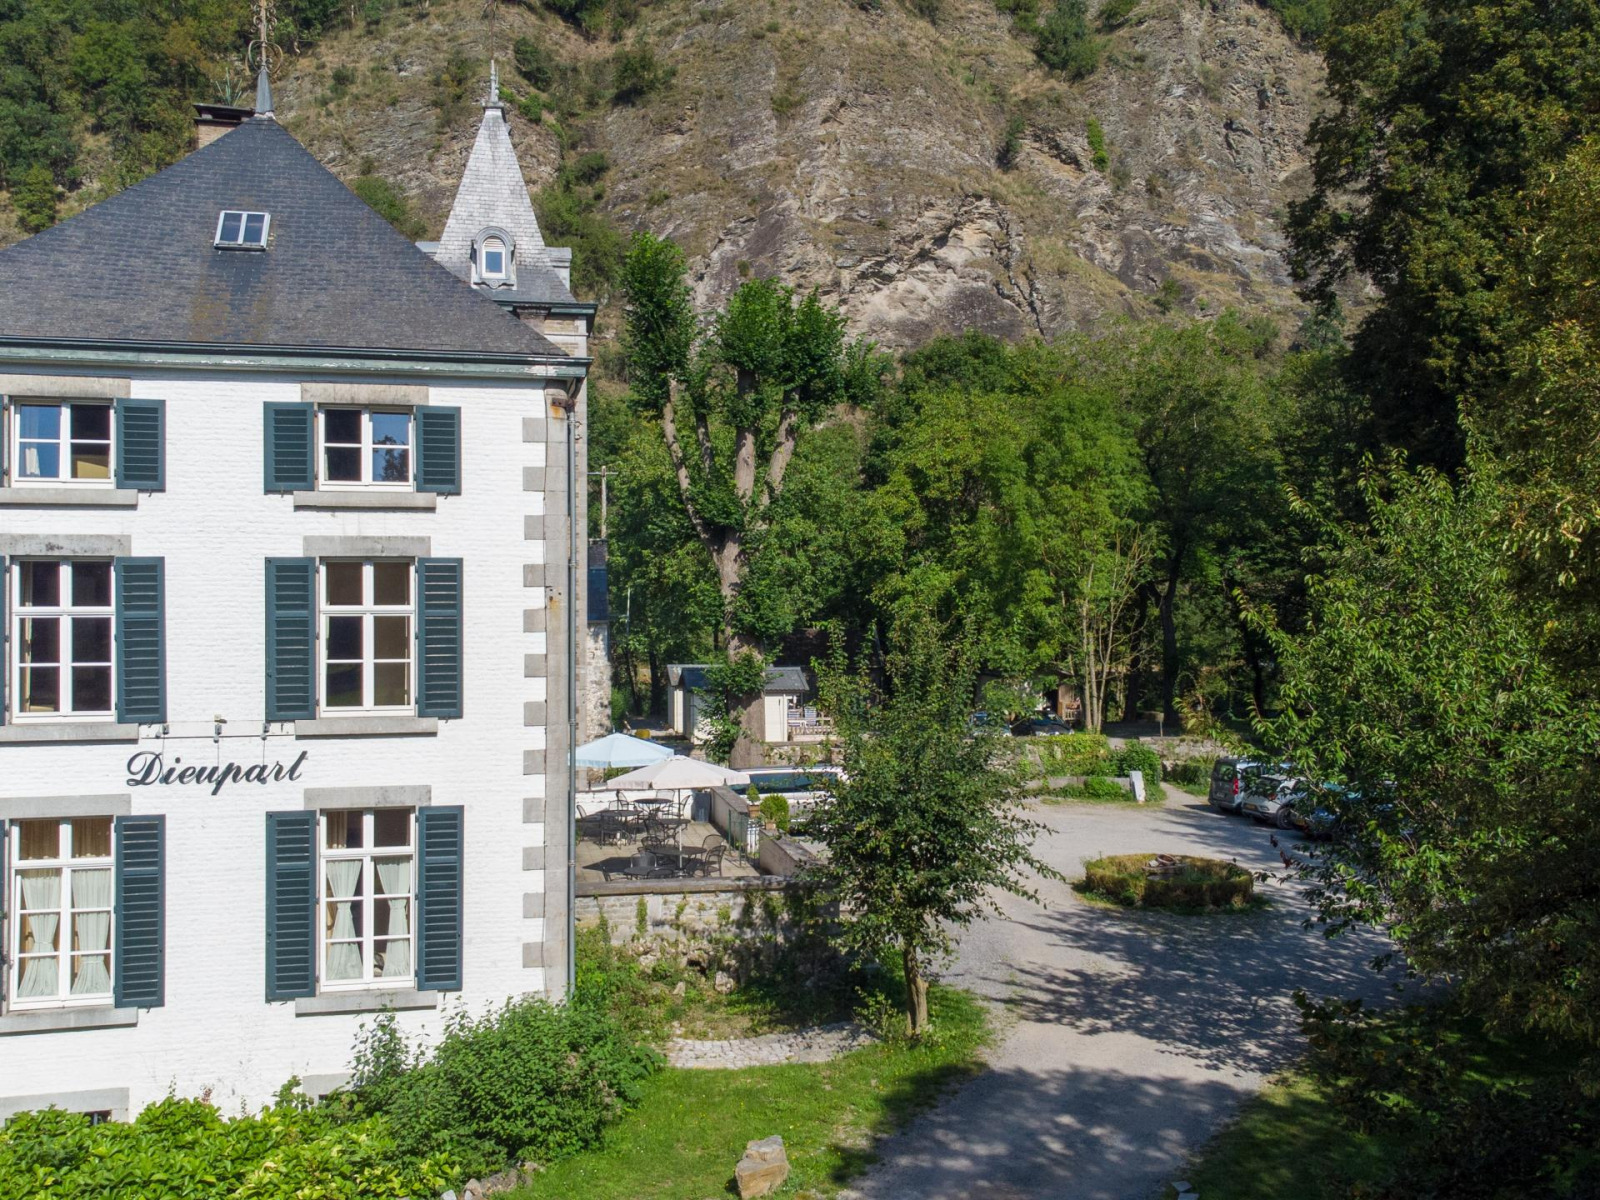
215	527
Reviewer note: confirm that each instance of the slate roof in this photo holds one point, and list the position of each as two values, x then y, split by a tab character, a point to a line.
494	194
779	679
141	267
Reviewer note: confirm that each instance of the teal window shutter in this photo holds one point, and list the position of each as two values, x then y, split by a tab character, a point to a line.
139	934
291	639
5	624
291	447
440	870
439	620
291	905
141	445
141	641
438	449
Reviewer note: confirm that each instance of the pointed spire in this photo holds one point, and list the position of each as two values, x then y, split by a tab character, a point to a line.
263	95
492	100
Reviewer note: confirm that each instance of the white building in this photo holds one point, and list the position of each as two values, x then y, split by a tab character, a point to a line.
288	666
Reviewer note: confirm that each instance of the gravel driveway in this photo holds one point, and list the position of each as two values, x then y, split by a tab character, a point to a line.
1127	1038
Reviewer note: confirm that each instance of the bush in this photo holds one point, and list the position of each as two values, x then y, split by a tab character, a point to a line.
635	73
775	811
34	198
389	204
1075	754
1097	145
1192	772
534	62
1064	42
1011	144
1199	883
1114	13
291	1150
1103	787
1135	757
531	1081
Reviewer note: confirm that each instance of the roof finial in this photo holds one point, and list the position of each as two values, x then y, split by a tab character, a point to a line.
262	49
492	100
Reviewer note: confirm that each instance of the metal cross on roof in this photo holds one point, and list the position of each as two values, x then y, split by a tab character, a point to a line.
260	53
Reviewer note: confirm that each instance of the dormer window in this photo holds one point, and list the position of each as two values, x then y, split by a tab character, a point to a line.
238	230
493	258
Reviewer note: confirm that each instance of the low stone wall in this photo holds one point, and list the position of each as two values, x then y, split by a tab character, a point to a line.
687	908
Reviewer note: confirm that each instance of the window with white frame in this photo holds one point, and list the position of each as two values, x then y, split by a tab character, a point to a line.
368	868
61	911
493	254
60	442
365	448
237	230
61	632
367	622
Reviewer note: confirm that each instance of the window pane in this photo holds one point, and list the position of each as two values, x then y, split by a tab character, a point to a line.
91	422
42	421
391	429
391	916
344	638
91	973
41	639
344	829
344	686
494	259
342	425
391	466
344	583
90	890
91	639
391	583
41	689
41	584
391	684
394	879
344	465
41	460
91	689
254	223
391	637
91	838
230	226
38	839
91	584
392	960
392	827
90	461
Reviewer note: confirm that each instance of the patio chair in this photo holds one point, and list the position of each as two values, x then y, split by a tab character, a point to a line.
711	860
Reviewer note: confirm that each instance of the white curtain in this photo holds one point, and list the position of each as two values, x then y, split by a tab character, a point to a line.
344	961
40	976
92	930
30	462
394	879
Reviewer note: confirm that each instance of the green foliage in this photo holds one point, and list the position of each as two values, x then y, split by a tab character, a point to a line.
456	86
636	74
569	214
389	204
534	61
1100	788
929	10
1442	115
1097	145
531	108
1114	14
1063	41
530	1081
732	685
1011	142
925	826
1134	757
287	1152
775	811
1074	754
1199	883
34	198
1192	772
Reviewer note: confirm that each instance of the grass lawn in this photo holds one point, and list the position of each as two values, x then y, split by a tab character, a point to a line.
683	1140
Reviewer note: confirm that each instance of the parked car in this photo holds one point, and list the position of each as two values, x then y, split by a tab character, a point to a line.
1227	782
1272	797
1040	725
990	721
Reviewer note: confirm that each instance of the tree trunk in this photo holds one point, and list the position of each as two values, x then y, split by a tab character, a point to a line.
658	685
1169	639
751	710
916	991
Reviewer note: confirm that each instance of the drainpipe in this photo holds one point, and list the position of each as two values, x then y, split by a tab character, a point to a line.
569	405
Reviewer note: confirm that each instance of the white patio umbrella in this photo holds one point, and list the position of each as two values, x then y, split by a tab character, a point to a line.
621	750
680	773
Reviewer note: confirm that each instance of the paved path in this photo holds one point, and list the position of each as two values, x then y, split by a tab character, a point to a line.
1127	1039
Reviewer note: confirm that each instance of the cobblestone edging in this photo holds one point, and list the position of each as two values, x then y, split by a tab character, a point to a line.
821	1044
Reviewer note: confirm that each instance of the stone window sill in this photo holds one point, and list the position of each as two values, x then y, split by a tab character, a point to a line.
67	731
335	1003
419	501
53	1020
367	727
70	497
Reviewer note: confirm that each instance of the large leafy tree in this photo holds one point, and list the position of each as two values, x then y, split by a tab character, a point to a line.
1442	113
925	827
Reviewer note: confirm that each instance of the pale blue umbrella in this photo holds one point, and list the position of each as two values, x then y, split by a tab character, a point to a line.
621	750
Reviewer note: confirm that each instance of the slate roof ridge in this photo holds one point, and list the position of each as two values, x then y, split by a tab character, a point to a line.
140	266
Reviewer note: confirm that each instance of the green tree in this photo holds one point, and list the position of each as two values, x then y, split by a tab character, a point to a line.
1441	115
925	825
1063	41
388	203
34	198
636	74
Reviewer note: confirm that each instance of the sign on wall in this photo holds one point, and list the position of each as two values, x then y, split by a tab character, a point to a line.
149	768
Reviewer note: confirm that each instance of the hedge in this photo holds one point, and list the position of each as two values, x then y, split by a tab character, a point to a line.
1135	757
1200	883
1075	754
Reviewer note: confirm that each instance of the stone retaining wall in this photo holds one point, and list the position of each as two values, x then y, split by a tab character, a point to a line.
690	908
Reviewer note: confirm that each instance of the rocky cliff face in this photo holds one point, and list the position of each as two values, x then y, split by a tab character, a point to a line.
856	151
